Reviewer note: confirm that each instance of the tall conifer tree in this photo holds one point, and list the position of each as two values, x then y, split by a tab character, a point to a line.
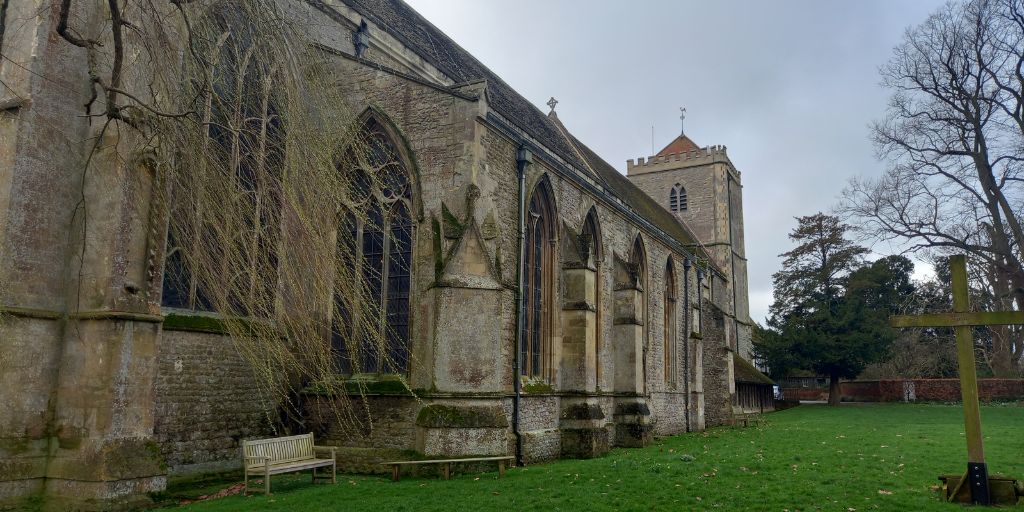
830	313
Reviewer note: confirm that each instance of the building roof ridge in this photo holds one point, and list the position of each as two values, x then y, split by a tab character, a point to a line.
573	143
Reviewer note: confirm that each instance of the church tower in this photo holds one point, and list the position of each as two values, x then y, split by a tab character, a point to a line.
702	188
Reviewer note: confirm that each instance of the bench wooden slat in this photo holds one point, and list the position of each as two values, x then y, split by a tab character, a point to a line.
276	469
446	470
442	461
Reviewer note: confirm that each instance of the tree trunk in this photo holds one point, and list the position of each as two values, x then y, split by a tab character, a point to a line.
1001	357
834	394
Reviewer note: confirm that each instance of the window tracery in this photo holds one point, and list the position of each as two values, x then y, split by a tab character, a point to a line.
537	284
372	335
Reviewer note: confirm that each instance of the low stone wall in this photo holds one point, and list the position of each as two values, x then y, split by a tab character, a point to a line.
913	390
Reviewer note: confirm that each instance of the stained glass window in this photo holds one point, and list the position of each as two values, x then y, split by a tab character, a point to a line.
537	282
377	247
670	324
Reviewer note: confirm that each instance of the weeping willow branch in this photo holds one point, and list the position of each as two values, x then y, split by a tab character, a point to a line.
269	184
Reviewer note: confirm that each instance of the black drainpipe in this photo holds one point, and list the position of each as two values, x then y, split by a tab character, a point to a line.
687	312
523	158
732	261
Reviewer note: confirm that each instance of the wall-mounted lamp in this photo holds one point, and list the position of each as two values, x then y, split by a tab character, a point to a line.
361	39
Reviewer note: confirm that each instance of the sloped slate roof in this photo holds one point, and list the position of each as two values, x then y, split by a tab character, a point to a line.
743	371
408	26
405	24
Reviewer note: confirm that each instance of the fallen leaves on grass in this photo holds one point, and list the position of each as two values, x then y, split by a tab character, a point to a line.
227	491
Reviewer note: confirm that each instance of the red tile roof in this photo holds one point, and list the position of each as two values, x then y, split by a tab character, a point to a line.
682	144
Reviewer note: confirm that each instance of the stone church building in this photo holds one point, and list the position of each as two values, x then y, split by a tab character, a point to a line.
554	307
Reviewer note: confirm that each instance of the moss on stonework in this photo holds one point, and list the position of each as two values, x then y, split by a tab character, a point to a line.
357	386
438	252
632	409
202	323
537	387
15	445
497	262
453	229
449	416
583	412
210	324
584	443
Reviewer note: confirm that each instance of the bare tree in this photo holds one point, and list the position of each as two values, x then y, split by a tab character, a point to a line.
953	136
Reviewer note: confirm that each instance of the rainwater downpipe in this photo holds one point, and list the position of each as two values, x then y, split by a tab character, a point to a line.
687	313
523	158
732	261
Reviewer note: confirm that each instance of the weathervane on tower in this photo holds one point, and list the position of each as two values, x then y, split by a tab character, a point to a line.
682	120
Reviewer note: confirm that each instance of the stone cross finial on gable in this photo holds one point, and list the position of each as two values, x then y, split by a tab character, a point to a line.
682	120
552	102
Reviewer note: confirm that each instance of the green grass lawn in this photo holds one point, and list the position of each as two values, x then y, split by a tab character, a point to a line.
855	457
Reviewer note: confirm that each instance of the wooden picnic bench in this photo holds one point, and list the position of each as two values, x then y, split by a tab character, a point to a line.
446	465
265	457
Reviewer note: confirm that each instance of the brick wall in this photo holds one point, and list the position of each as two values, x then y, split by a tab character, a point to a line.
913	390
929	390
805	393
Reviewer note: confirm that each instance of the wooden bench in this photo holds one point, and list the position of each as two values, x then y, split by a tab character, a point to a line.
748	418
447	465
265	457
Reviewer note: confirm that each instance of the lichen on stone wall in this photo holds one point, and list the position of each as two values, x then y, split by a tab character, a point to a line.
452	416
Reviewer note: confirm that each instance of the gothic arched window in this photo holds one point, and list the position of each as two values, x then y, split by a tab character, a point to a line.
677	198
370	327
592	234
670	324
638	262
229	250
538	281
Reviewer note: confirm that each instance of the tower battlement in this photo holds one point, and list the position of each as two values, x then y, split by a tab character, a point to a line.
703	156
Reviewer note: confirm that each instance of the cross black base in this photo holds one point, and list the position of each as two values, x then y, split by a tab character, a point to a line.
977	478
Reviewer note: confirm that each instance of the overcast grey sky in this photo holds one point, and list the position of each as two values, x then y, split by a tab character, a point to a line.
789	86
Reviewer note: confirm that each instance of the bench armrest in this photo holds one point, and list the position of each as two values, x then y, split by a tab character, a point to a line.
332	449
251	461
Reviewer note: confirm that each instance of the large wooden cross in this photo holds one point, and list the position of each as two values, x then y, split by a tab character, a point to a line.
961	320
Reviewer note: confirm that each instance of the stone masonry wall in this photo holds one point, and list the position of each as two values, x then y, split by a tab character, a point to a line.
28	369
699	182
449	146
380	428
717	361
206	403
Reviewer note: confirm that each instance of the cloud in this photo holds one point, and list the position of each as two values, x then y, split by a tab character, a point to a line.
789	87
